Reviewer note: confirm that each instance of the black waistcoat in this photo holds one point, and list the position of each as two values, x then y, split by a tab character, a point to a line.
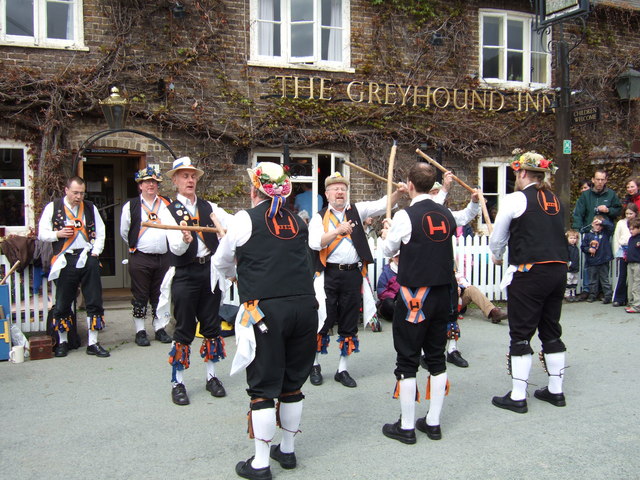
59	221
427	260
180	213
538	234
135	209
275	261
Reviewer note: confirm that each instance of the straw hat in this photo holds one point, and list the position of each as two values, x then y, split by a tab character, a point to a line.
532	161
335	177
184	163
148	173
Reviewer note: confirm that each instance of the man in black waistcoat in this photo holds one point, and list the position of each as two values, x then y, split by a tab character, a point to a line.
148	259
337	234
422	233
76	230
530	223
275	284
194	290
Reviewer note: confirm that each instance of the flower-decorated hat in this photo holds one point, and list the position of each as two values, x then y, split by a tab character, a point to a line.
273	180
148	173
335	177
532	161
184	163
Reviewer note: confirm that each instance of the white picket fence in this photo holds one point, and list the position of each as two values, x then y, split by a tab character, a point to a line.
471	253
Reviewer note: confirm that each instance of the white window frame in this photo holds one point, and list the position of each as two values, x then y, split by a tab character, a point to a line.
336	166
305	63
26	188
529	21
39	39
502	163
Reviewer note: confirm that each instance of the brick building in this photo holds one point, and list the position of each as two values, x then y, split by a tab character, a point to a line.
233	82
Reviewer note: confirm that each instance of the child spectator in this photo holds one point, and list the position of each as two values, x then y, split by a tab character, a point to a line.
573	273
619	244
596	244
633	265
387	288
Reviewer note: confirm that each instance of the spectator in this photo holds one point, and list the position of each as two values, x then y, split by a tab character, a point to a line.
573	266
619	243
387	288
633	264
470	294
304	201
633	195
596	245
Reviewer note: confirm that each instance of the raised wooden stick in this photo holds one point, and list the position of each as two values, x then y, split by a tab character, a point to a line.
392	159
483	203
365	171
10	272
217	224
190	228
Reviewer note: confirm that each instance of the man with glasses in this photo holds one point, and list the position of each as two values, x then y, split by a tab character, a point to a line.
337	234
76	230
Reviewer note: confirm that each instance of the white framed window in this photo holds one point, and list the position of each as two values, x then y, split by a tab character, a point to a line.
16	214
308	169
42	23
511	51
312	34
497	179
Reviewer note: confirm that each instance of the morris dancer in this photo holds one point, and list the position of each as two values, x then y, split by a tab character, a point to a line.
422	233
277	330
194	288
148	259
530	222
337	234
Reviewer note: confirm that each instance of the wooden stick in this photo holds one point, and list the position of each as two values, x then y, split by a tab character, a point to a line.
392	160
483	203
190	228
366	172
10	272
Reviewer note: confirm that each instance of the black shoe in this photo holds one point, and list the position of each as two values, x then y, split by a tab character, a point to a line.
432	431
286	460
591	298
583	296
245	470
393	430
345	379
61	350
179	394
606	301
518	406
316	375
455	358
556	399
215	387
617	304
163	337
423	362
141	339
97	350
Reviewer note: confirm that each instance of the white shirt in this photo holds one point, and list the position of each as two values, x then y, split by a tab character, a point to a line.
153	240
174	237
345	253
511	207
400	231
46	233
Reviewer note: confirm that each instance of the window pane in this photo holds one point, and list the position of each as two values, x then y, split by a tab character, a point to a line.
269	39
539	68
301	10
515	31
332	44
12	167
491	60
491	31
514	66
302	40
331	13
20	17
510	181
301	166
12	208
60	20
489	180
538	41
269	10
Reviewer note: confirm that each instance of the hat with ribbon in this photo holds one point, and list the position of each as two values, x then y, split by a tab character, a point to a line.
273	180
532	161
335	177
148	173
184	163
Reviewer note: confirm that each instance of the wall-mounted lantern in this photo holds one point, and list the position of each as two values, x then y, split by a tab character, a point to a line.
115	109
628	85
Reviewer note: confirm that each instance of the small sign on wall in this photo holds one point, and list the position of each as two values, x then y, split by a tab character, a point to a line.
566	147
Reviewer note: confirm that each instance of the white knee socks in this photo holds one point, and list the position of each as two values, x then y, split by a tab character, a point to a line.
264	429
408	403
555	369
438	388
290	415
520	367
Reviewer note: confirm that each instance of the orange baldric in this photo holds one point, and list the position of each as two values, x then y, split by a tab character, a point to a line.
78	227
252	313
152	217
414	299
325	253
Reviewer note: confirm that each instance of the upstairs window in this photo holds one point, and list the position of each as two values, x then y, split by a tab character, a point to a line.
511	51
42	23
300	32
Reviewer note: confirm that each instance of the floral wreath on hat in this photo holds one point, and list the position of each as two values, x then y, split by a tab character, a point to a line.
532	161
278	188
148	173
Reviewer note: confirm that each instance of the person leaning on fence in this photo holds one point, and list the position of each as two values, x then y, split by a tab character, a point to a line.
633	265
195	291
596	246
530	223
619	243
277	331
76	230
148	258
